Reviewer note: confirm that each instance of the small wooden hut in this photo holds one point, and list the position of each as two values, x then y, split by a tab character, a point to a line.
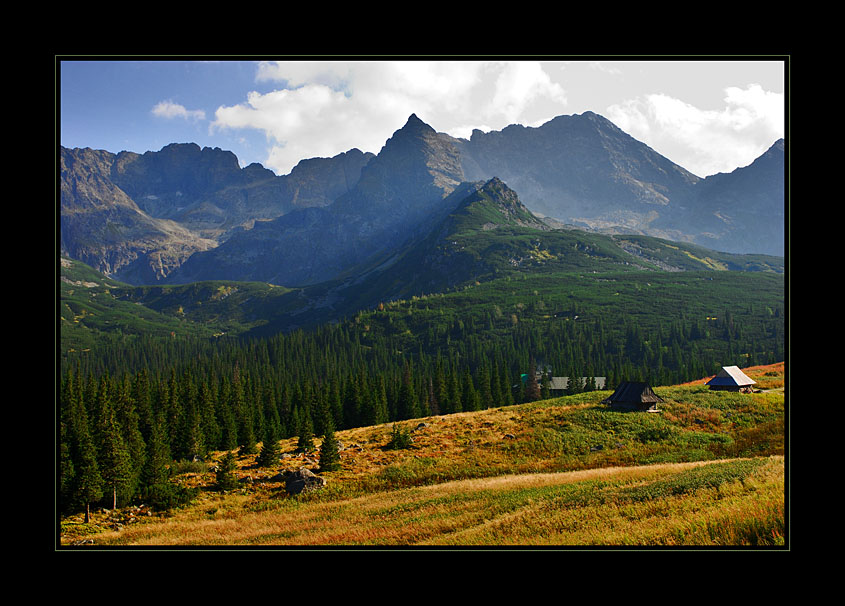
558	386
634	396
731	378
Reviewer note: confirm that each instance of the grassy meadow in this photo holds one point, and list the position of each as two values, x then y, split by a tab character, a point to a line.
707	470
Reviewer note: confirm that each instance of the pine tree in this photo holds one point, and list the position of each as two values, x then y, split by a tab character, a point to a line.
157	465
88	483
455	404
406	407
329	449
243	415
469	399
382	410
305	430
226	416
485	391
211	431
127	418
225	476
85	484
269	454
112	454
545	387
190	439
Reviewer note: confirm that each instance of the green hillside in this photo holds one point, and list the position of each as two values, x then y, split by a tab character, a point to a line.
92	307
490	238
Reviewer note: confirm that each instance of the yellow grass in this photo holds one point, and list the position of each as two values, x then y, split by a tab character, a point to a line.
469	513
507	498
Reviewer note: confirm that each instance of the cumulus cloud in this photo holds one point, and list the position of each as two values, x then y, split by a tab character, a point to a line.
705	141
518	85
169	109
325	108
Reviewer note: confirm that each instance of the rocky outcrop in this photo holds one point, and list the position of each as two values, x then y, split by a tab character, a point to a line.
303	480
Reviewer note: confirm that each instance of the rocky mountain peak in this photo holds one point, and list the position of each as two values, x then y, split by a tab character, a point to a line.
494	203
416	167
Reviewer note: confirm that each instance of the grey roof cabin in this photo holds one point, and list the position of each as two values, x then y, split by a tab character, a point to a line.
731	378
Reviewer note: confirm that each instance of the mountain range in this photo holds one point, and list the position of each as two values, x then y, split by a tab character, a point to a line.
186	214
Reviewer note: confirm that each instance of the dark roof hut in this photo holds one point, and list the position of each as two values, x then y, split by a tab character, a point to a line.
731	378
634	396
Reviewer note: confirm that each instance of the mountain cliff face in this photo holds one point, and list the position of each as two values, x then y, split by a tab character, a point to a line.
137	217
743	211
585	171
104	227
400	190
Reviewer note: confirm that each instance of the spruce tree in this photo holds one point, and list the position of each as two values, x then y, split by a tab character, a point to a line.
329	449
406	407
156	470
112	454
127	417
225	476
545	386
455	404
211	431
86	483
305	431
470	398
243	415
382	409
269	454
485	391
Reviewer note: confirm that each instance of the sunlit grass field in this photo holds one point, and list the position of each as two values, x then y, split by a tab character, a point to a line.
708	470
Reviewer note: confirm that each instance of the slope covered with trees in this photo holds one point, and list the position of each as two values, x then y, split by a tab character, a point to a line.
131	404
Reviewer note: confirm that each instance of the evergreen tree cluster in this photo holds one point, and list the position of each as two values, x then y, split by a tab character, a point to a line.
132	407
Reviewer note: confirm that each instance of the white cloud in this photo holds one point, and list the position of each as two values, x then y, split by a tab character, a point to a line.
705	141
518	85
323	108
326	108
169	109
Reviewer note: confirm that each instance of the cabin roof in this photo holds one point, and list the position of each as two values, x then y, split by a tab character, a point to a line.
631	391
731	375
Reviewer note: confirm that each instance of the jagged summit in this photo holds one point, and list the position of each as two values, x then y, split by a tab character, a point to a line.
414	122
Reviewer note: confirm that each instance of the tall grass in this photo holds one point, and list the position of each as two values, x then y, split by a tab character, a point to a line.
707	470
737	502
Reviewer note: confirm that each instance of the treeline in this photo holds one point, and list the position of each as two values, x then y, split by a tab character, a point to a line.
134	406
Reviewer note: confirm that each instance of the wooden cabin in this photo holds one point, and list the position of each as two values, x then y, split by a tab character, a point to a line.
634	396
731	378
558	386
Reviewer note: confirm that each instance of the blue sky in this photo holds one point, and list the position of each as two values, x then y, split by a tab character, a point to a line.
707	116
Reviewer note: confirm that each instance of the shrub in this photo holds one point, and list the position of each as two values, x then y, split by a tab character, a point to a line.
163	497
400	438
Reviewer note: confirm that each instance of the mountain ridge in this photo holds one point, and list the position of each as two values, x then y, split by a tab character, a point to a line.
581	170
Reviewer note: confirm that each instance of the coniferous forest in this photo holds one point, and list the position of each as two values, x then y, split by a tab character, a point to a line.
132	407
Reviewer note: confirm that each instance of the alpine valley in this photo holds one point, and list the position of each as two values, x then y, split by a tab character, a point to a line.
210	307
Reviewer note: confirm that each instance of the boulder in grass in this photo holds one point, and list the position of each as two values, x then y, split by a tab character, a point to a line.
303	480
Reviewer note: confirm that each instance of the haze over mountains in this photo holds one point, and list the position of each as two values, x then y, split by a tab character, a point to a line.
186	214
